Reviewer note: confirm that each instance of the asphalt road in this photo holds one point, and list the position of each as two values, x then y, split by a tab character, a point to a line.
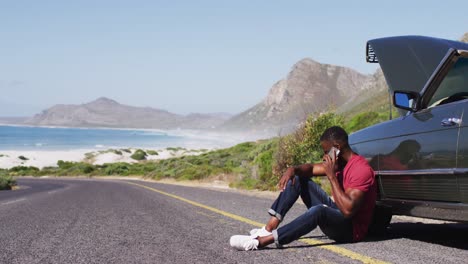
112	221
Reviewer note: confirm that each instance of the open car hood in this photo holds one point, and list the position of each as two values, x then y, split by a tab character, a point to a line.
409	61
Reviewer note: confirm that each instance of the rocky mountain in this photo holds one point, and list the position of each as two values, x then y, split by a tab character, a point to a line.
464	38
310	87
374	97
105	112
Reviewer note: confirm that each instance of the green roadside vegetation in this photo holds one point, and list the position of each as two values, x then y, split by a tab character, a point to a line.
7	182
139	154
249	165
152	152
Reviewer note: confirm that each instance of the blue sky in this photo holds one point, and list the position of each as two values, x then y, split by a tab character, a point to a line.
190	56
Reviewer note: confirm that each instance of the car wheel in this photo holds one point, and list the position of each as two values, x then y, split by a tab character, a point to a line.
381	220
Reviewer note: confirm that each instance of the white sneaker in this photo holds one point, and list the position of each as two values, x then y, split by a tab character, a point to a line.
246	243
259	232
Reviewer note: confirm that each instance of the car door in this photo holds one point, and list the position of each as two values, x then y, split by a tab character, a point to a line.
459	78
462	161
435	168
418	162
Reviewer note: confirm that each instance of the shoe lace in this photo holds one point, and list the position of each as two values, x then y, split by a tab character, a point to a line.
250	245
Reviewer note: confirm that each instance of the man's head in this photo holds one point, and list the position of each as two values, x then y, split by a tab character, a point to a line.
334	137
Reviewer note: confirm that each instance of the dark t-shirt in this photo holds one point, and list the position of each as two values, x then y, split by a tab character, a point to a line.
357	174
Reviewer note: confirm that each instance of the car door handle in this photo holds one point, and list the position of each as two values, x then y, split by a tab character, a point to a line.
450	121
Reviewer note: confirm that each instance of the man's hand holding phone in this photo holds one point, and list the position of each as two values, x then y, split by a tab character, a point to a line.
329	162
333	153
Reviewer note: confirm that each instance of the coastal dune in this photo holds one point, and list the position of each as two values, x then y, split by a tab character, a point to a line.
49	158
39	159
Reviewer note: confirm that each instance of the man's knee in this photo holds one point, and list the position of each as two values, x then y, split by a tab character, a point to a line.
296	180
318	211
307	182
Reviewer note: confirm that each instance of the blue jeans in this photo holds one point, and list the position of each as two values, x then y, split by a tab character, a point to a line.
322	211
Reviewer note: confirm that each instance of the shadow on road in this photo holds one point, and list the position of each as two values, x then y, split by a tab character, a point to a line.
450	235
326	242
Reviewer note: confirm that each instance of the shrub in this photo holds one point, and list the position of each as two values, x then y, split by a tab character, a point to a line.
265	168
23	171
63	165
175	149
242	147
6	181
68	168
48	171
152	152
90	155
303	146
85	168
139	155
22	158
119	168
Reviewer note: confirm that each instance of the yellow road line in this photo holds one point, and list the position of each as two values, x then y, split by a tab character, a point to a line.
335	249
343	251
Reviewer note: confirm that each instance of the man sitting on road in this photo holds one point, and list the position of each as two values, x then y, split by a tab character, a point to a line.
346	218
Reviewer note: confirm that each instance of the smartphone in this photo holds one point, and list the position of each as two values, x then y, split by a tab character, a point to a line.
332	152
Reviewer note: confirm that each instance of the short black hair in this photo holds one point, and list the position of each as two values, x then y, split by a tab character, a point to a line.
335	133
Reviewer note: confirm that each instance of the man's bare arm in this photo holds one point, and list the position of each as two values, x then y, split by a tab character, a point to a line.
304	170
348	201
309	170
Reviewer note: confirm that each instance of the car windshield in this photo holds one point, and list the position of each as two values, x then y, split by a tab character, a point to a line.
454	87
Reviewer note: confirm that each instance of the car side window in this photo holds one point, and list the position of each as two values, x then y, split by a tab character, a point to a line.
454	87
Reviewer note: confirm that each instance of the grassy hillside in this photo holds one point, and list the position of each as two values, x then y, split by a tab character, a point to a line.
378	103
371	111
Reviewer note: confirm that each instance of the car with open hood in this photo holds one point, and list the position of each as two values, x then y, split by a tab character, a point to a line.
421	157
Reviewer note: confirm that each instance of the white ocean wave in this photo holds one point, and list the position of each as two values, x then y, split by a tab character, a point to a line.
144	138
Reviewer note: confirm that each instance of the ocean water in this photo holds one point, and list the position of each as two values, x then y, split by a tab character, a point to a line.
47	138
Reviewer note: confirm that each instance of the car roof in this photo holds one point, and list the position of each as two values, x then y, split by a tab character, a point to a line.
409	61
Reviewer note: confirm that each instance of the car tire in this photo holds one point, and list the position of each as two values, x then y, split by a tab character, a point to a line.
380	220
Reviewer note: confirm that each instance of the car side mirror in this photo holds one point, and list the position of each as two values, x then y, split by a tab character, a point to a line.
406	100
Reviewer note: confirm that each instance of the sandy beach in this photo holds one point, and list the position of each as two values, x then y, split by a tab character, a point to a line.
49	158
